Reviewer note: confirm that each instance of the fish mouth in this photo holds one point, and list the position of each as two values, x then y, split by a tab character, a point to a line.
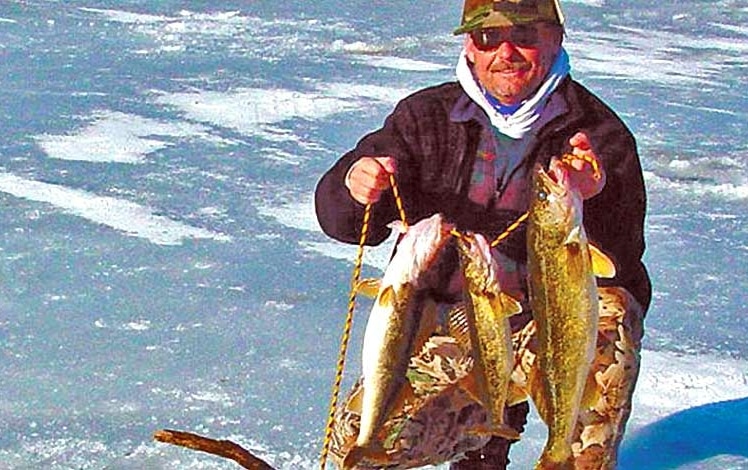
431	237
475	247
555	181
440	234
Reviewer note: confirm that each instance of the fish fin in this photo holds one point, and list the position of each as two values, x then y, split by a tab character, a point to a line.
535	390
469	384
352	458
574	237
501	430
405	395
511	304
386	297
591	395
546	462
369	287
427	326
355	402
516	394
602	265
398	226
374	453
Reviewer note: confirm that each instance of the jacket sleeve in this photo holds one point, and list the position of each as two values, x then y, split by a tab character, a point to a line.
339	215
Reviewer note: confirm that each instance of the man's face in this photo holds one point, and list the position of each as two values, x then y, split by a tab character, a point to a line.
512	62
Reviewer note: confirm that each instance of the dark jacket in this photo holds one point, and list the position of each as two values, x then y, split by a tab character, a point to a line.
435	157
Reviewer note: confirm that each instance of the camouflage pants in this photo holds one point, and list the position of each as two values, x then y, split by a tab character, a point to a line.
434	424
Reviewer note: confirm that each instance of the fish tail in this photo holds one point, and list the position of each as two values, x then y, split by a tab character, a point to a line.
500	430
505	431
546	463
354	456
373	453
556	456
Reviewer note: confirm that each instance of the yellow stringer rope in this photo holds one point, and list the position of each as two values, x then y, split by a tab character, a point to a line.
510	229
569	157
345	338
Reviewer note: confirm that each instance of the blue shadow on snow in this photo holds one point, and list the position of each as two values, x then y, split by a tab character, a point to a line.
690	435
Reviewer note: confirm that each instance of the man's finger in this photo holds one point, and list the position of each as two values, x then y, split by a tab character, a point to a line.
580	141
578	164
388	163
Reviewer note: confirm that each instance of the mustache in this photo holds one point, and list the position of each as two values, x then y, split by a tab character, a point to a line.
504	66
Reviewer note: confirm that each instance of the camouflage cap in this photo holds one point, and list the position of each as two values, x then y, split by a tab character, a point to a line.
478	14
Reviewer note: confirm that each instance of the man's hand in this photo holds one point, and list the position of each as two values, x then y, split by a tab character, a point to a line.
368	177
585	168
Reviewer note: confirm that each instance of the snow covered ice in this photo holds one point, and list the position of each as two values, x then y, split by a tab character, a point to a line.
161	266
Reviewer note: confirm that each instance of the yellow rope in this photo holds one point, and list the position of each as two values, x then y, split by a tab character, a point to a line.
349	319
455	233
398	201
569	157
346	337
510	229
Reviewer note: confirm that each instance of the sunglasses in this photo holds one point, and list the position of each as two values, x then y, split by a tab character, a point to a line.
491	38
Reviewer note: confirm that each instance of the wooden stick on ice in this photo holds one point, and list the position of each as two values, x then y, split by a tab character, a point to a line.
225	449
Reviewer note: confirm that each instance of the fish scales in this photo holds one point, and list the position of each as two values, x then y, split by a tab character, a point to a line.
393	324
564	302
487	311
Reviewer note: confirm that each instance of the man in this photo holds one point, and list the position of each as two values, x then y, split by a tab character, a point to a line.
466	149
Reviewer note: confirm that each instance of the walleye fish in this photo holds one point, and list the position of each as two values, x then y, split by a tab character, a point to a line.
487	311
564	302
392	327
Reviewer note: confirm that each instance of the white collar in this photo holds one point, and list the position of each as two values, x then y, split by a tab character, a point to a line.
519	123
